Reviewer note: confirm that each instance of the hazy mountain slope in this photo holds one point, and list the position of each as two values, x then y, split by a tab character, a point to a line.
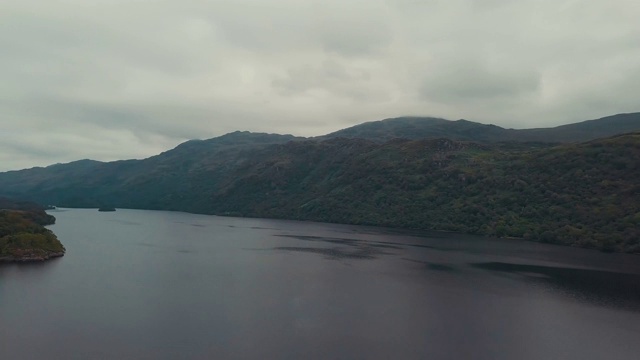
580	194
150	183
424	127
420	127
586	130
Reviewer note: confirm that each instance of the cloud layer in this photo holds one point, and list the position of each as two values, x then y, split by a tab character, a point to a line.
114	79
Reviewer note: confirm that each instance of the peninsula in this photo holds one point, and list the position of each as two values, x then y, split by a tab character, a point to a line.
23	236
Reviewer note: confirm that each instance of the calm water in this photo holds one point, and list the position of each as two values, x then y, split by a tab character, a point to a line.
164	285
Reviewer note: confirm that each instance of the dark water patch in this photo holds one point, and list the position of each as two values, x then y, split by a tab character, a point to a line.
256	249
382	245
198	225
605	288
334	253
262	228
432	265
439	267
125	222
345	241
402	232
425	246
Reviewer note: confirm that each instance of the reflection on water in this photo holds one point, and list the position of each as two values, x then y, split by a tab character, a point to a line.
162	285
345	241
604	288
364	252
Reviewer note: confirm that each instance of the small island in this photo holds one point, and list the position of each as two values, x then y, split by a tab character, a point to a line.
23	236
106	208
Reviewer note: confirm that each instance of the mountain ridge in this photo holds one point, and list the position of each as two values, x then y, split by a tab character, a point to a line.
582	194
413	127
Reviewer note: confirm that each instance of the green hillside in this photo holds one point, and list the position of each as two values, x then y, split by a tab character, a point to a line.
585	194
23	236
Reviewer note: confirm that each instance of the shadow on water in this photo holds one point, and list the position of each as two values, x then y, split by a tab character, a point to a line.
125	222
336	253
597	287
439	267
433	266
29	268
345	241
402	232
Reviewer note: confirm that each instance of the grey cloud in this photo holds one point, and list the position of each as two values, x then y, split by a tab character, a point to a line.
354	28
125	79
471	82
331	77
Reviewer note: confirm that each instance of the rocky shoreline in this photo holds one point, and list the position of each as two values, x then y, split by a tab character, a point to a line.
31	257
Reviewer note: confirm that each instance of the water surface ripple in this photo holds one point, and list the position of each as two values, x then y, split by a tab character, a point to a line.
164	285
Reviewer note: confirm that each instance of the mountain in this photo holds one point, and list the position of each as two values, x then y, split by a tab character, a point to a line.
421	127
151	183
584	194
426	127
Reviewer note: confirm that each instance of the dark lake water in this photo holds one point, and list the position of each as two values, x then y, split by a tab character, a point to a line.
165	285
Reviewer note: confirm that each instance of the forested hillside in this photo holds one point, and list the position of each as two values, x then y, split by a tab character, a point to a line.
584	194
23	236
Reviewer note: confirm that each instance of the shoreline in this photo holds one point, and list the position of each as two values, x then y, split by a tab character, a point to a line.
31	258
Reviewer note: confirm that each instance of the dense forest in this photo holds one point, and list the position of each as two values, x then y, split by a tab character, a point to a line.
585	195
23	236
581	194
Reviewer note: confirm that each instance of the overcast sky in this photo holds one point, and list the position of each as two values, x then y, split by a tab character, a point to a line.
119	79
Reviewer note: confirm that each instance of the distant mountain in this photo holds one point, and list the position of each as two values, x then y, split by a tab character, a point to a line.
426	127
586	130
151	183
583	194
421	128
